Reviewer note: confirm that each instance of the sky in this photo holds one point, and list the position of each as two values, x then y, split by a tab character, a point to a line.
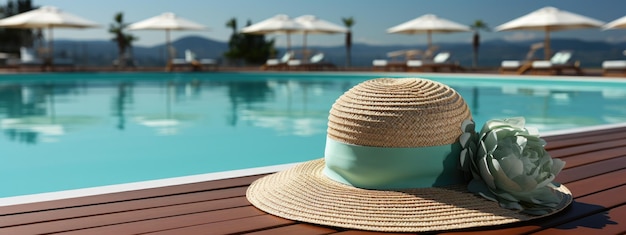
372	18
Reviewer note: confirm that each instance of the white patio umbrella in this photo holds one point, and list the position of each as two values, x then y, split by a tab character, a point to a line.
167	21
314	25
616	24
46	17
428	24
550	19
281	24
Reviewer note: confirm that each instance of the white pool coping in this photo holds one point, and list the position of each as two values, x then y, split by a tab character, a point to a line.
583	129
83	192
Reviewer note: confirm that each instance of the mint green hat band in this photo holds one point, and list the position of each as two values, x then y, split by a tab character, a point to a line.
392	168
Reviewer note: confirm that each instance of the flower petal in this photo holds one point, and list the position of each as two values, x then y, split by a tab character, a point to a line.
513	166
484	173
501	180
465	139
468	126
557	166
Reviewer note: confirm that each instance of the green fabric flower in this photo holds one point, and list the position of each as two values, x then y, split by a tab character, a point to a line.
512	167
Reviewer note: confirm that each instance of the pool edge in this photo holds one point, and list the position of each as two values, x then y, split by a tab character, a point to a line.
116	188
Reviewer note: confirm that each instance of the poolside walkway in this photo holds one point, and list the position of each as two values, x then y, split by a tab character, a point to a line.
483	70
595	173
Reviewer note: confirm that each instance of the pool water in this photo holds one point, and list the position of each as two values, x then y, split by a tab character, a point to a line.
69	131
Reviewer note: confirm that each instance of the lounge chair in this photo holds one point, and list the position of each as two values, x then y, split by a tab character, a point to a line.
29	59
521	66
614	68
316	62
394	63
125	62
379	64
438	62
559	62
193	62
279	64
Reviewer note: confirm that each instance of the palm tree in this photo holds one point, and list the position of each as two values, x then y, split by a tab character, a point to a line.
124	40
232	24
477	26
348	22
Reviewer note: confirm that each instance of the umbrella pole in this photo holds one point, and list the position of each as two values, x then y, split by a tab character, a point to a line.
305	55
48	60
430	39
288	42
546	49
168	50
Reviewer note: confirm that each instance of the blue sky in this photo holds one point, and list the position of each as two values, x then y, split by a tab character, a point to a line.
372	17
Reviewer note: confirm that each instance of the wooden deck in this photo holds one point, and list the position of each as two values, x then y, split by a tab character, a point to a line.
595	173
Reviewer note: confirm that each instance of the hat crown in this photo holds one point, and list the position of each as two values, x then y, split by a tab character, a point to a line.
406	112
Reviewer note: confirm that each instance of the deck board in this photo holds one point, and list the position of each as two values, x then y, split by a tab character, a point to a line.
130	195
590	225
122	206
595	173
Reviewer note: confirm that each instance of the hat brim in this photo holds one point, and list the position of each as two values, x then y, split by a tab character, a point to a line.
303	193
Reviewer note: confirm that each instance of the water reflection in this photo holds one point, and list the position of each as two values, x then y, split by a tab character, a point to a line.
45	111
291	114
29	112
121	101
170	121
246	94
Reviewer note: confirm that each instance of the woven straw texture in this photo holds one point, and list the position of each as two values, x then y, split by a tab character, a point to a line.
408	112
303	193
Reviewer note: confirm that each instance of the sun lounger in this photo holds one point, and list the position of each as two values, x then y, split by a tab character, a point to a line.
520	66
316	62
278	64
615	68
379	64
438	62
397	61
559	62
514	66
191	61
29	59
386	65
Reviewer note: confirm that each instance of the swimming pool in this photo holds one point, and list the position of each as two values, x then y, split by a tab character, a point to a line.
79	130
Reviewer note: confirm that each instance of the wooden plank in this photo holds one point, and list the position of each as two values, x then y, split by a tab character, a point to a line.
358	232
117	207
587	148
300	229
586	158
586	139
231	226
129	195
590	170
139	215
172	222
611	222
598	183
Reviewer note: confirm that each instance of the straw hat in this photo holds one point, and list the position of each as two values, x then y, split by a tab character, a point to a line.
367	181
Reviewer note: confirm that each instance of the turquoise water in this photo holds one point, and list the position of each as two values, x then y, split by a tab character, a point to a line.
69	131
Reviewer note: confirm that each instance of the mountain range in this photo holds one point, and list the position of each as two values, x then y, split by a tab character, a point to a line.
491	53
